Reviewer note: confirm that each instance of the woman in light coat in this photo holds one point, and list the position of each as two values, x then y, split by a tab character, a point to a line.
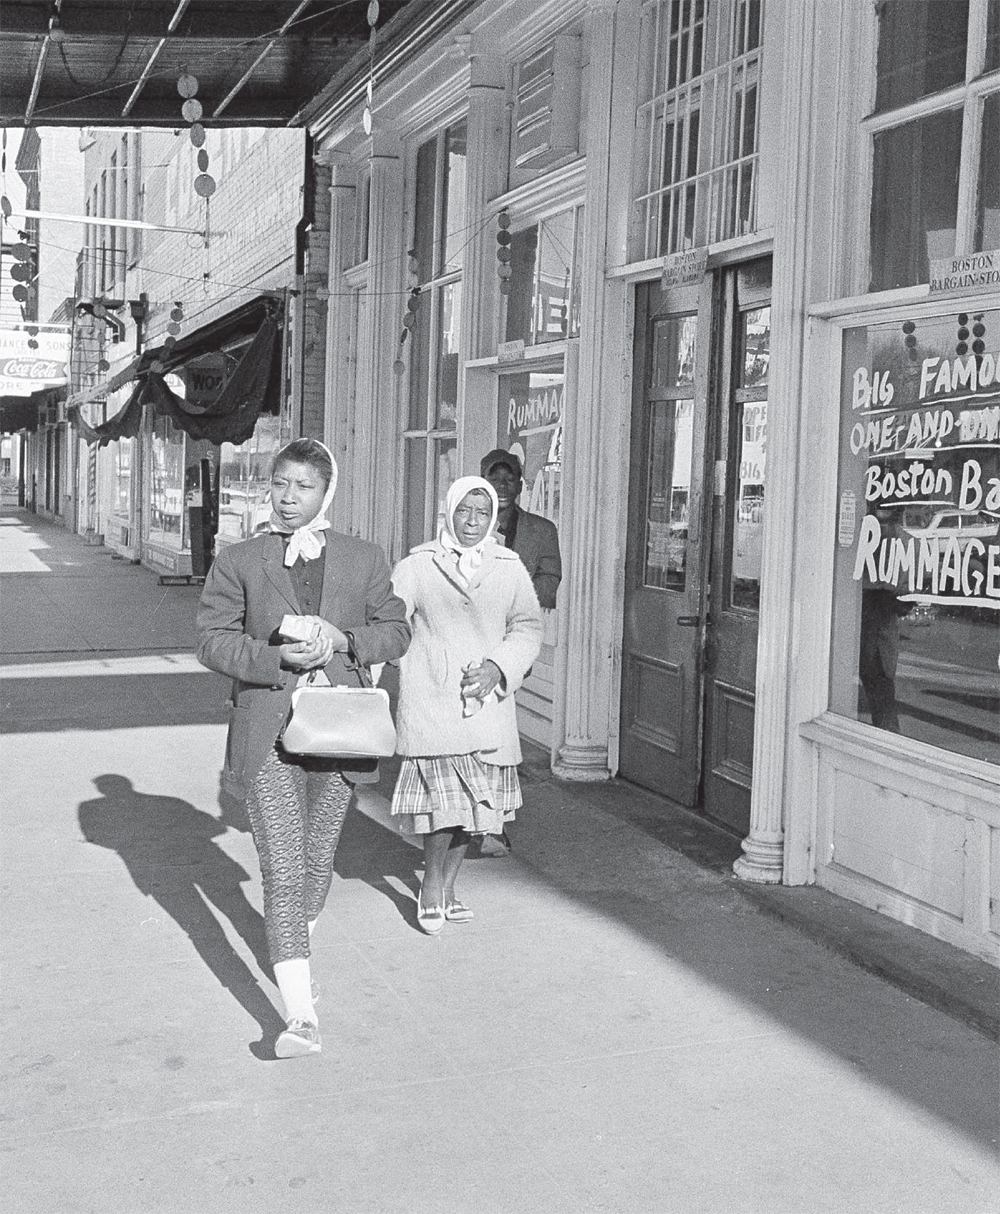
296	805
477	628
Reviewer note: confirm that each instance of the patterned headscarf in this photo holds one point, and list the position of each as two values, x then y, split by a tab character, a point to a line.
306	541
469	559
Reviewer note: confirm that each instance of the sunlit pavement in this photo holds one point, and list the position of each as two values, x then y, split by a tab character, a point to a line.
617	1030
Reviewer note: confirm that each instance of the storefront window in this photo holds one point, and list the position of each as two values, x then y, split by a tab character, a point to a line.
124	453
166	497
531	425
917	568
244	481
544	300
935	191
438	241
751	409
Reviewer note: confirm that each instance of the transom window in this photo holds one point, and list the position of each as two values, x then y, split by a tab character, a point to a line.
935	132
697	124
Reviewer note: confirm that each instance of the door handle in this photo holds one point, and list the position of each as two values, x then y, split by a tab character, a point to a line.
688	621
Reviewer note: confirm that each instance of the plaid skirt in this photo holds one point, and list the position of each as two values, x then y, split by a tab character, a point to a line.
455	790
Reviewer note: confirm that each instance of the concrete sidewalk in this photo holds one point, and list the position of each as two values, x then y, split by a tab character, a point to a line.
621	1028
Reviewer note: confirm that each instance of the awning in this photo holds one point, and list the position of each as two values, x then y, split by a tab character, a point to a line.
254	385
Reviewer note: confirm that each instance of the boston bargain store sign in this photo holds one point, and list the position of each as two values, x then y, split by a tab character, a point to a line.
25	369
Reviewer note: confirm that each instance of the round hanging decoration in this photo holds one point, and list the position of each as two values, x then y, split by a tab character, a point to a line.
369	92
197	133
366	120
203	161
173	328
32	343
103	364
191	110
398	367
157	366
404	335
177	313
20	251
503	220
413	303
3	162
187	85
409	322
503	237
373	12
204	185
504	286
504	271
169	343
5	206
503	256
20	293
100	311
20	271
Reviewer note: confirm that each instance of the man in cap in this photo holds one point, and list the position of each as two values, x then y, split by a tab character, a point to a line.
536	542
533	538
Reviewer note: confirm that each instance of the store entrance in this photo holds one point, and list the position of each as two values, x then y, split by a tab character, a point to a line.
693	553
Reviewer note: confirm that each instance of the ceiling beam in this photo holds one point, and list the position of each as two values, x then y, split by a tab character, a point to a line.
259	60
141	82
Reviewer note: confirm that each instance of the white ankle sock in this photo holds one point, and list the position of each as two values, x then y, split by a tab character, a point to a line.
295	986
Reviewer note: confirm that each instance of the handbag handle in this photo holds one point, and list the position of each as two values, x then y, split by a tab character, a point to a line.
363	673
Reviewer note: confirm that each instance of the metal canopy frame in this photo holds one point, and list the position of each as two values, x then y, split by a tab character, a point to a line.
114	62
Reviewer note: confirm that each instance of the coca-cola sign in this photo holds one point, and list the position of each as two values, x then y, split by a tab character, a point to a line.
33	358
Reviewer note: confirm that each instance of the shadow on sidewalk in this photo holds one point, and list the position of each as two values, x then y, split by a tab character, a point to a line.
169	849
369	852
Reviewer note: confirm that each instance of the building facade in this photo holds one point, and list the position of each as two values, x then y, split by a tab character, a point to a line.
722	280
173	314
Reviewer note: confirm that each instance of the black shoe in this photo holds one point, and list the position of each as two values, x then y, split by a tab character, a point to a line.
495	846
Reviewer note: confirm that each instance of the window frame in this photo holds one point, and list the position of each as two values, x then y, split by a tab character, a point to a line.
969	97
433	436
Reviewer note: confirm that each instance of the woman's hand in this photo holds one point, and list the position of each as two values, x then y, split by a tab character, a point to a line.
329	632
307	655
479	681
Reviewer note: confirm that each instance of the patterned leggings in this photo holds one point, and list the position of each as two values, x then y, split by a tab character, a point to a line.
296	809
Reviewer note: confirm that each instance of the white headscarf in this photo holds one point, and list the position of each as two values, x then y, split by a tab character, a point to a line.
469	559
306	541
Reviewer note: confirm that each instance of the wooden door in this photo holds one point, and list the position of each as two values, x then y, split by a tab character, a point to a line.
740	442
660	740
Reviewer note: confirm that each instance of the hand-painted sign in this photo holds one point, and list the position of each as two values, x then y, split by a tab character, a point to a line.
921	449
24	369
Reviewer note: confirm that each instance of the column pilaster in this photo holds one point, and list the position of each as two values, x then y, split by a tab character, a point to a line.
340	364
484	181
764	846
587	590
376	494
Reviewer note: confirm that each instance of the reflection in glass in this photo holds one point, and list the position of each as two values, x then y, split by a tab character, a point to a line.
555	267
668	483
917	561
445	472
988	207
673	353
756	326
921	49
531	425
914	199
453	234
166	498
245	479
124	450
449	318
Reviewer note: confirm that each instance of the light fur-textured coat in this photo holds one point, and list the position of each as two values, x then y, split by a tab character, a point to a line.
497	617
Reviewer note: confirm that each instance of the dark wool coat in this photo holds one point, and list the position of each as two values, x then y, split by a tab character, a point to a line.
537	544
247	592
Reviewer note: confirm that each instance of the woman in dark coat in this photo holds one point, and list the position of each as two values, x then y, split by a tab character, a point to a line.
296	805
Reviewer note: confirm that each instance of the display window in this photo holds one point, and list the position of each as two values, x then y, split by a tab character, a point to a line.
916	620
166	485
531	426
245	481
